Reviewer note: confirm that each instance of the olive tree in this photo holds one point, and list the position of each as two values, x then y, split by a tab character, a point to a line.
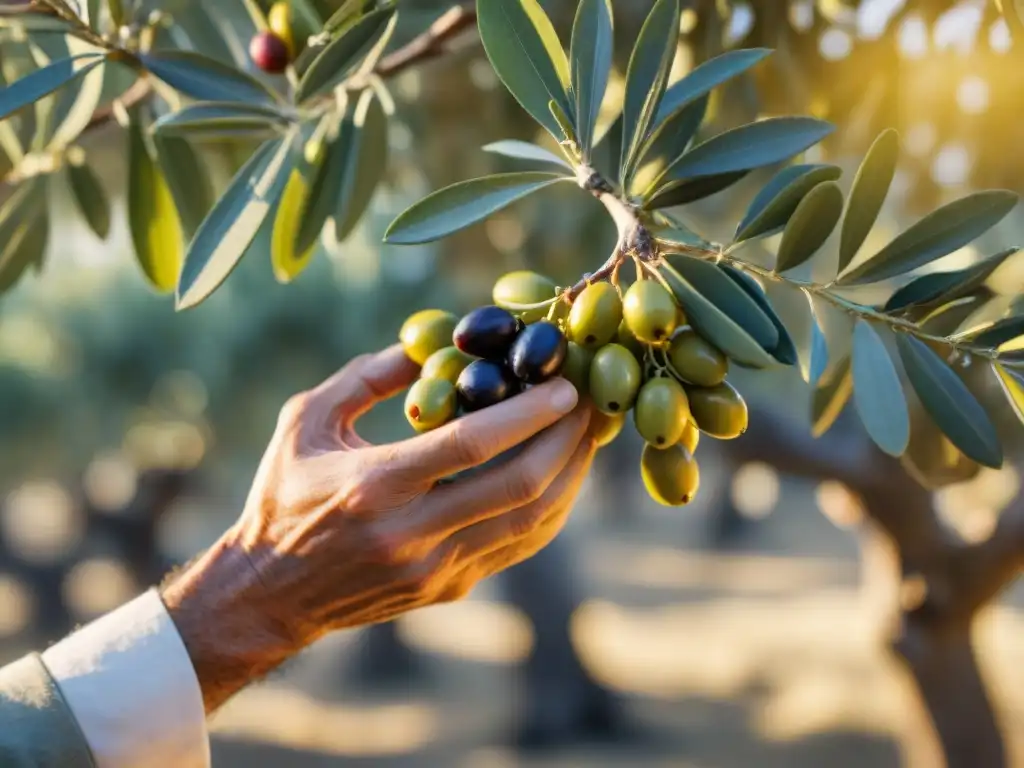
294	99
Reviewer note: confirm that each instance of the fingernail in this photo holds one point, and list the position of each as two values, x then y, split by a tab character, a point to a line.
563	396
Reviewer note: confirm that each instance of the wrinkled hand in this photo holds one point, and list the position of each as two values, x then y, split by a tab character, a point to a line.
337	532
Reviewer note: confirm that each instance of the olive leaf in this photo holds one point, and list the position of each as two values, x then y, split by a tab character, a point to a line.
23	219
667	142
997	333
705	77
524	50
691	190
344	55
750	146
92	201
467	202
877	392
830	397
230	227
793	308
286	260
205	79
331	170
590	58
187	178
524	150
646	79
220	119
931	459
78	115
938	234
117	13
785	351
778	199
940	287
870	186
1012	383
369	159
152	215
44	81
949	402
810	225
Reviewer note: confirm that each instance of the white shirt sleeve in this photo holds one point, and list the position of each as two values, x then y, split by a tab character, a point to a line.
129	682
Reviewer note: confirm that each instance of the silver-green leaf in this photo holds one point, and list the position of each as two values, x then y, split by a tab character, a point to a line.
90	197
344	55
777	200
940	287
706	76
456	207
205	79
221	119
44	81
369	161
524	150
188	179
810	225
877	392
870	187
590	58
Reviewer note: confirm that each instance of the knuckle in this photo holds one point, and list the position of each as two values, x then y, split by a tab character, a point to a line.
524	485
293	408
382	548
419	583
464	446
525	522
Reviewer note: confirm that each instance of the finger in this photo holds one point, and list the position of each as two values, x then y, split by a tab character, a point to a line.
494	491
483	435
364	382
514	536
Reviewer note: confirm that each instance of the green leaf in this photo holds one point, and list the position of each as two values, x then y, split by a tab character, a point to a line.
590	56
1012	383
256	15
285	259
998	333
92	14
525	52
870	187
226	233
666	144
330	175
940	287
750	146
938	234
706	76
344	55
42	82
367	167
81	111
566	132
117	14
681	236
213	119
607	148
92	200
646	78
931	459
691	190
877	391
713	323
810	226
205	79
188	179
524	150
456	207
829	399
949	402
785	350
793	308
819	357
777	200
348	12
24	226
152	215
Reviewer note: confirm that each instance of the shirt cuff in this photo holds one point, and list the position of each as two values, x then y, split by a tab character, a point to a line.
129	682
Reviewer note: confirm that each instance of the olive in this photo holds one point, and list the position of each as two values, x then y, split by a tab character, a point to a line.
606	427
719	411
670	475
538	352
279	19
650	311
425	332
523	287
595	316
691	437
696	360
484	383
445	364
626	338
487	332
661	412
269	52
614	379
430	403
576	367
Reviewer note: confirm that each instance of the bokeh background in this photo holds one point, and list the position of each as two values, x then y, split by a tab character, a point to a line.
742	630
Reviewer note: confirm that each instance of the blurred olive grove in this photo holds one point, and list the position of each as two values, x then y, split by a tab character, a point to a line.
98	374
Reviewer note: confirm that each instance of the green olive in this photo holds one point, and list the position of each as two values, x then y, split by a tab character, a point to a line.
524	287
576	367
626	338
671	476
650	311
661	412
446	364
606	427
697	360
595	316
719	411
430	403
691	437
614	379
425	332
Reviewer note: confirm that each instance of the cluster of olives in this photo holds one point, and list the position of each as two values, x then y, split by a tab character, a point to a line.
273	49
627	350
476	362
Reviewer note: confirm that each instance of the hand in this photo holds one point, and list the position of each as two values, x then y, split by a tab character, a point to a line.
338	533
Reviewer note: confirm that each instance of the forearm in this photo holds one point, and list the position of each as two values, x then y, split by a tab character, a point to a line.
219	606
